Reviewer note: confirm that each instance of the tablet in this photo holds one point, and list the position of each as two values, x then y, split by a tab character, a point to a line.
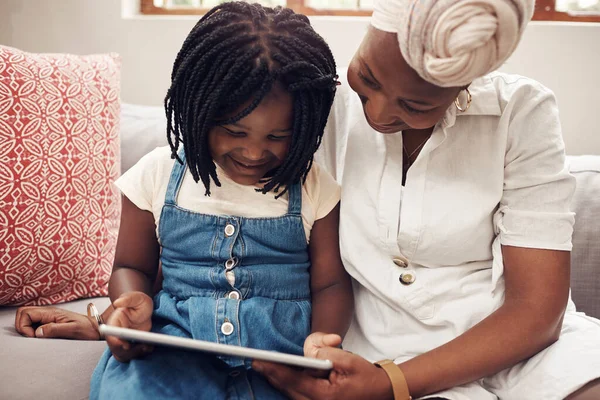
218	348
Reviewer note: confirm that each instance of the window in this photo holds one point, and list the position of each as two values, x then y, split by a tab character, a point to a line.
578	6
567	10
307	7
545	10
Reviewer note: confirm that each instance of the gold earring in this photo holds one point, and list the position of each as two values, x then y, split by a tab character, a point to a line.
457	103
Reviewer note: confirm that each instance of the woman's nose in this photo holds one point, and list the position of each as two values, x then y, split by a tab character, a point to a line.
380	111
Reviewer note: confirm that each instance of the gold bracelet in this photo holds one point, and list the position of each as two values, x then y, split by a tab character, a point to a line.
93	313
399	385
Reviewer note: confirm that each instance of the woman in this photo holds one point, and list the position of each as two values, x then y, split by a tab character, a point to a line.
454	222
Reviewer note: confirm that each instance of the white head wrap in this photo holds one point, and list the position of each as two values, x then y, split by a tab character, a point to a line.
453	42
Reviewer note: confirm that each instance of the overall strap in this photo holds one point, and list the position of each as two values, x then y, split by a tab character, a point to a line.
177	174
295	199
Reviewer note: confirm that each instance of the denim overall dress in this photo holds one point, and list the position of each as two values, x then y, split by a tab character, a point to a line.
266	307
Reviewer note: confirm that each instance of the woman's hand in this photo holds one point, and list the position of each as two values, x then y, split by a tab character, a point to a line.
133	310
352	377
55	323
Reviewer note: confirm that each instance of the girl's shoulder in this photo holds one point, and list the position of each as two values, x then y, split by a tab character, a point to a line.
321	190
157	159
319	176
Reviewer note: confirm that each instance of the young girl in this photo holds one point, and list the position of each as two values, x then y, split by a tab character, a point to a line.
250	93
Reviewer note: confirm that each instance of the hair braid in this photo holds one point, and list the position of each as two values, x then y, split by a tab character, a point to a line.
232	57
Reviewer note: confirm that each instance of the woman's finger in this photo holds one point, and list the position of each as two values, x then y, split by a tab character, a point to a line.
17	318
23	326
53	330
295	384
80	330
31	316
342	360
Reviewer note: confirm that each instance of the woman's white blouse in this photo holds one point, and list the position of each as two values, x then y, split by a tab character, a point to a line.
493	175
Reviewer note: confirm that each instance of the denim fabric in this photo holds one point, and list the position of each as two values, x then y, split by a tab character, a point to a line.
270	261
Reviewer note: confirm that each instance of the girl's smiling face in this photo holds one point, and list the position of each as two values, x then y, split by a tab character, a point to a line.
256	144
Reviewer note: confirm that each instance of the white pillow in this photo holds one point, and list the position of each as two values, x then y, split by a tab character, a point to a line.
143	128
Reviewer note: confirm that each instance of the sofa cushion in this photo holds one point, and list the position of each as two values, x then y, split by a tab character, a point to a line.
59	155
33	368
143	128
585	257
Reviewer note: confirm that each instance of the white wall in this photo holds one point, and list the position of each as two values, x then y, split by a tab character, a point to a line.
565	57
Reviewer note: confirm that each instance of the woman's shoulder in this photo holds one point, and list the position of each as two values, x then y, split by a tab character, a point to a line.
513	88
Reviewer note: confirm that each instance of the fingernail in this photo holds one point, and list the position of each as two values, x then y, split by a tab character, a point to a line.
39	332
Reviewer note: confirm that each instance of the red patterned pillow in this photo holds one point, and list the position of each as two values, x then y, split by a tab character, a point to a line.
59	155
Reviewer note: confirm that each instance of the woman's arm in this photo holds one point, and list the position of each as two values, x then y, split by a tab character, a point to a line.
533	215
331	288
537	288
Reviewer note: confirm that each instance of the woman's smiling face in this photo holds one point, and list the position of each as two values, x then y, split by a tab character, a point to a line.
394	96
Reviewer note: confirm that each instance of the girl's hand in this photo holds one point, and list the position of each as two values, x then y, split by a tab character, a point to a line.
55	323
318	340
352	377
133	310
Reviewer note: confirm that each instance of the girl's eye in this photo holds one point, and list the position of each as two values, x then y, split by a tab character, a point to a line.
367	81
274	137
233	133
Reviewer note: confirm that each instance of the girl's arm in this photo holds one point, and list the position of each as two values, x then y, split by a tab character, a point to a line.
537	289
137	253
130	286
331	288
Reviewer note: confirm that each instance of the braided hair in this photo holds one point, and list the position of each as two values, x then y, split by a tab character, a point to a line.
233	56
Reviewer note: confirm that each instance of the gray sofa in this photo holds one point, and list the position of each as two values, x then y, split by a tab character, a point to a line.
61	369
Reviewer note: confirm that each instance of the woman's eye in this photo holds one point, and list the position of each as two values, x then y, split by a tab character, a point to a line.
413	110
367	81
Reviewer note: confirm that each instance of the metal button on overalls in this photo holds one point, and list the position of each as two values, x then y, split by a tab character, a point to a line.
229	230
230	263
227	328
233	295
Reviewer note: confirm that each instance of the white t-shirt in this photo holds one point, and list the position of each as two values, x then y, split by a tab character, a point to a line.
493	175
145	184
